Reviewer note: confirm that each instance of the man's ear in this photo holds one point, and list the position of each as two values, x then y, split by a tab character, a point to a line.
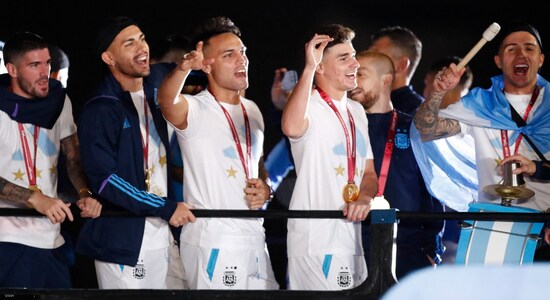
402	65
320	68
498	62
107	58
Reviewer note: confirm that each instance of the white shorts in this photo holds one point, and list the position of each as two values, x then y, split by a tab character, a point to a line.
176	279
326	272
209	268
149	273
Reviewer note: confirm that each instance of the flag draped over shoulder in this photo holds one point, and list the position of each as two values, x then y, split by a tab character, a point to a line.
448	165
489	108
448	168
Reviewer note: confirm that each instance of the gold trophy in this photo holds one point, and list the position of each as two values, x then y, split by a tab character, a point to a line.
512	186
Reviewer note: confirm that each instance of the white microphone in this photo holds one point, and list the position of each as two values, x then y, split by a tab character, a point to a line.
487	36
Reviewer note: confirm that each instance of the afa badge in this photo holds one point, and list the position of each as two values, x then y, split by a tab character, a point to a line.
139	271
344	279
229	277
402	140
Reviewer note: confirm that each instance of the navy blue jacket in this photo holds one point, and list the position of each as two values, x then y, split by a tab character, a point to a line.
406	100
405	190
112	157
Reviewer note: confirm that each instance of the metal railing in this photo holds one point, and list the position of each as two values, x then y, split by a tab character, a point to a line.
381	276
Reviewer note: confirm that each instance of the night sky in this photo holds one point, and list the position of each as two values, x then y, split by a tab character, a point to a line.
274	32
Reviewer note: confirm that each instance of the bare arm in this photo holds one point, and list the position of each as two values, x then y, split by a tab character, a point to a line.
14	193
294	122
173	105
90	207
426	119
55	209
70	148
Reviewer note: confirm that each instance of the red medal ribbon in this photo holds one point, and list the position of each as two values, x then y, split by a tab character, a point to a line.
504	133
30	162
145	140
387	155
350	145
244	161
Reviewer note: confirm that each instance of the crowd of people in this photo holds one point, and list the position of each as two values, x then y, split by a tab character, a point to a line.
168	129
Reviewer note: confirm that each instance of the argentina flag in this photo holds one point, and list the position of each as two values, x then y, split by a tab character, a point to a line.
449	165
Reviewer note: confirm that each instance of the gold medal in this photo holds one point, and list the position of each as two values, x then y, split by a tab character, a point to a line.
147	179
35	188
156	190
350	192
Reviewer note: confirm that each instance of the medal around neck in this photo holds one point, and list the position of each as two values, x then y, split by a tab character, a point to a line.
350	192
148	179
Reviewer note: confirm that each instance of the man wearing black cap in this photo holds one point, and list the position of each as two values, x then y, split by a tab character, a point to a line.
125	147
509	121
36	126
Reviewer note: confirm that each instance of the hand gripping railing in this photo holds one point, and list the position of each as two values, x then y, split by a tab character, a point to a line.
381	276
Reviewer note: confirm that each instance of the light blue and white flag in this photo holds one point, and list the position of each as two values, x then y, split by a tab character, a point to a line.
448	165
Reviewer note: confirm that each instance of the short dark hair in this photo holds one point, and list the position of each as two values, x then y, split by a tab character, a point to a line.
20	43
339	33
212	27
404	39
170	43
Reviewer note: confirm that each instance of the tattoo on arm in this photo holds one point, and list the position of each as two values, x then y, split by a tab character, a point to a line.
71	150
13	192
430	125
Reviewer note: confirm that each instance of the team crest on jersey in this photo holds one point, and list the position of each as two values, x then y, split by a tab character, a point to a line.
344	279
402	139
229	276
139	271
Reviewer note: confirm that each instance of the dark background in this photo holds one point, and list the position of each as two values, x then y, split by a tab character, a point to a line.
274	32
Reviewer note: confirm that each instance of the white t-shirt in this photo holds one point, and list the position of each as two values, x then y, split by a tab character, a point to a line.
37	232
488	147
157	232
321	165
213	172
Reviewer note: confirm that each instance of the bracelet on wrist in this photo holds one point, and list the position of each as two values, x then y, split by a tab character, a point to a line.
84	192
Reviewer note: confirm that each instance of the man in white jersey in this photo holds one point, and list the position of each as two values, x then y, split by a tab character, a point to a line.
487	115
125	150
334	166
220	134
36	125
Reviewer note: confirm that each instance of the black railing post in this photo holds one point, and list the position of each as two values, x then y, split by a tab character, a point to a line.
381	273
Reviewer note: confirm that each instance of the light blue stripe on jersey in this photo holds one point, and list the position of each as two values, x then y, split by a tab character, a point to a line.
212	262
326	264
150	199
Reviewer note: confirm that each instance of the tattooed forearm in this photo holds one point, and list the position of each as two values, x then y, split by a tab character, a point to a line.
13	192
430	126
71	150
